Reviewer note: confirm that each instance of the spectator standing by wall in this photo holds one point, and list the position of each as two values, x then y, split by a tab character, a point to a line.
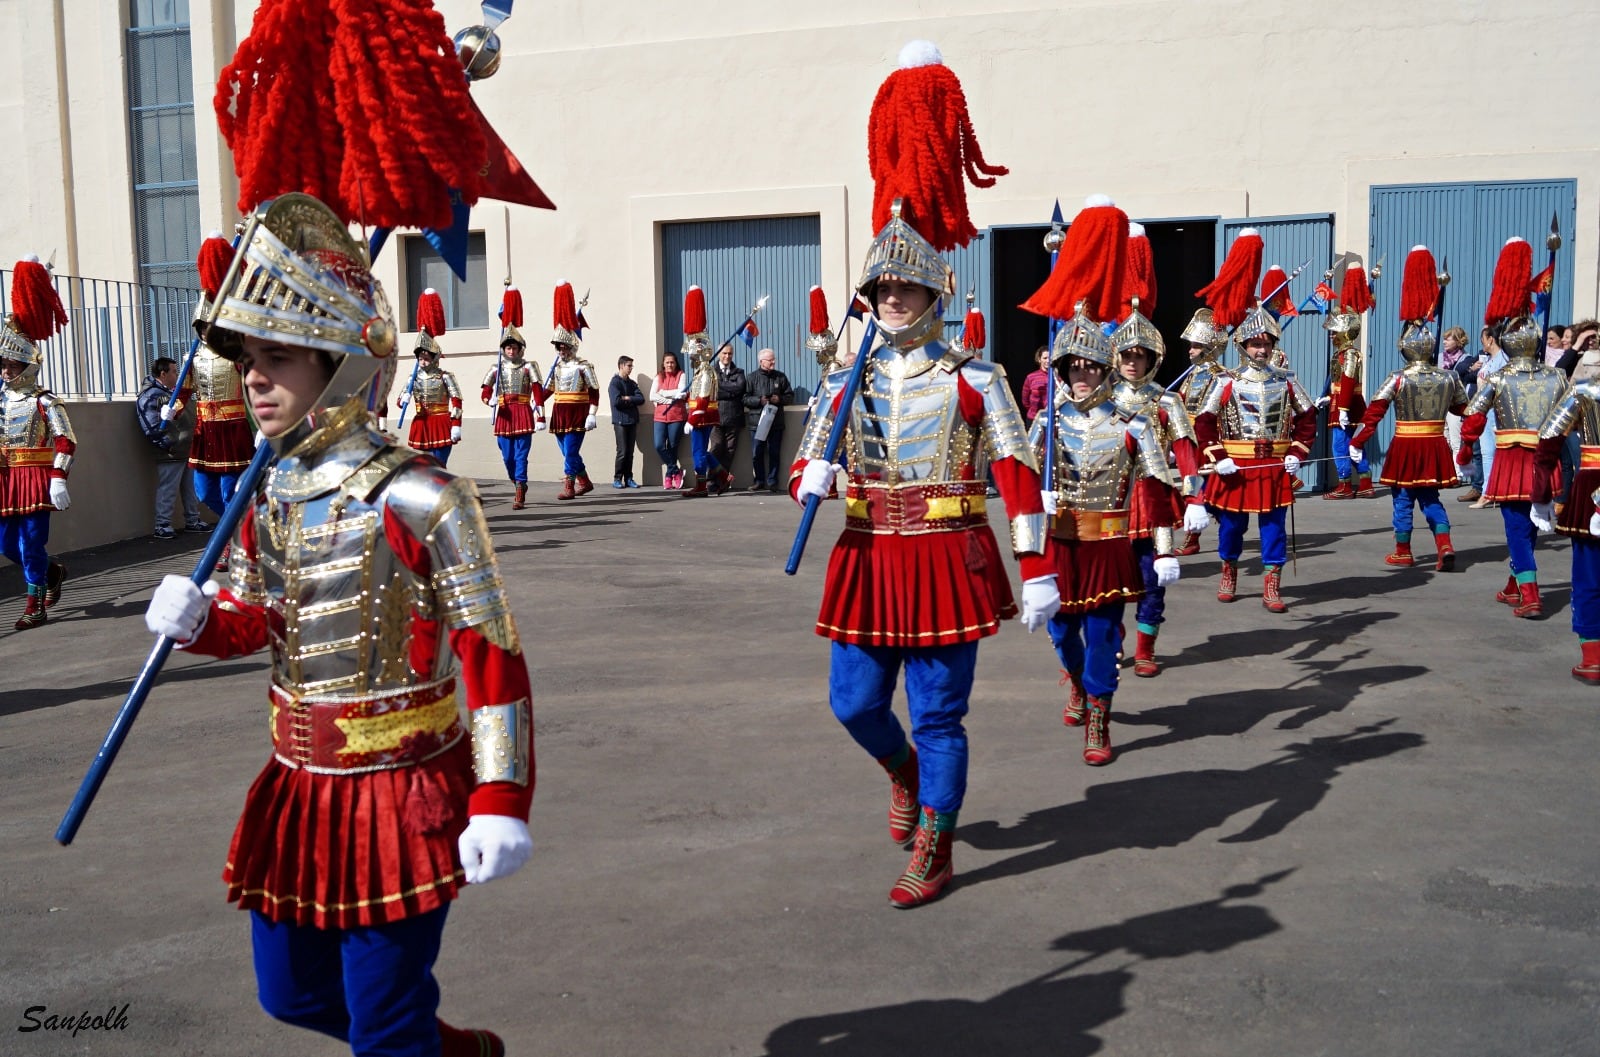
730	411
171	439
670	394
626	399
1036	386
764	387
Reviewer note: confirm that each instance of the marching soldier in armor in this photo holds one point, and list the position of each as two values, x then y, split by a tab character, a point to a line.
223	439
436	426
513	390
914	502
36	440
369	572
1206	343
1521	395
1578	409
576	389
820	339
1345	402
1254	430
697	354
1419	462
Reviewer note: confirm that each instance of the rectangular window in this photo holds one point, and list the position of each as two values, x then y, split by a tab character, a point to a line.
166	188
466	303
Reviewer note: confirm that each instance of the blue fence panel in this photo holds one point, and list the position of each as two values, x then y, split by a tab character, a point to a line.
974	270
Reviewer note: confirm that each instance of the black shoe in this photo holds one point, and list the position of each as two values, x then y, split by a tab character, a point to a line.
198	526
164	533
774	488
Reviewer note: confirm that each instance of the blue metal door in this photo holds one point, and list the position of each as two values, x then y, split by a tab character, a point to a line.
735	262
972	265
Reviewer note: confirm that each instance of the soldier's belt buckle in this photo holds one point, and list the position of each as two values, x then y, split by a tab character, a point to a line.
1263	449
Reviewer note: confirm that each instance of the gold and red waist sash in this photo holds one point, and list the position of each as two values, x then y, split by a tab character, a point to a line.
1425	427
516	398
1589	457
1089	524
1516	438
378	733
580	397
435	409
1260	448
15	458
219	410
910	509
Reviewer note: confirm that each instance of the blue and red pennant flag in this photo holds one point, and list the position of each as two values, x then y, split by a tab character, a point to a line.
750	332
1539	287
859	307
1320	298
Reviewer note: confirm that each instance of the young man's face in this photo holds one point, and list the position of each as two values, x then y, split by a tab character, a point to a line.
1197	352
566	352
725	356
625	369
513	351
1084	377
10	370
1135	364
898	303
283	383
168	375
1258	350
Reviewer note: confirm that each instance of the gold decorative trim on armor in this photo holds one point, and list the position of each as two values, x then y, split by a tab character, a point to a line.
1089	525
1421	428
916	509
1028	533
500	740
1161	536
468	591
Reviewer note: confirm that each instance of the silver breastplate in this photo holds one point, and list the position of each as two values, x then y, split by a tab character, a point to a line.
516	379
1092	461
576	376
1263	405
1422	393
434	387
1197	388
704	385
21	424
1578	409
1523	399
215	378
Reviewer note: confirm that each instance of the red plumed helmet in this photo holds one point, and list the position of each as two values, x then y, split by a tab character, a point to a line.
1091	266
819	311
973	335
430	312
1419	285
1230	294
34	301
1355	295
1140	278
214	260
511	307
564	308
1509	298
920	143
694	311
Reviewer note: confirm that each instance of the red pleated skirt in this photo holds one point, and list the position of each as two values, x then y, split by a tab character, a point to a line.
568	418
430	431
1511	477
1145	516
935	589
24	490
1094	573
344	850
513	419
1251	491
222	446
1419	462
1574	519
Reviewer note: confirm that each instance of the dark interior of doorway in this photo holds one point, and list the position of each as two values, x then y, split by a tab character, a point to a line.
1185	256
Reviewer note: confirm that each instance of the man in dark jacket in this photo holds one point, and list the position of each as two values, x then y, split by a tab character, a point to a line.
171	434
765	387
730	410
626	399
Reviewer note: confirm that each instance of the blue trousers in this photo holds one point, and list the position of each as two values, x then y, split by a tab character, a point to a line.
1521	537
1341	450
1231	526
1432	510
571	445
700	444
1152	608
514	453
861	681
22	539
1585	587
667	436
372	988
215	490
442	454
1087	644
764	456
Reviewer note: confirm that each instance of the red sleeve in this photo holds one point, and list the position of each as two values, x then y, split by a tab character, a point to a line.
488	391
1546	459
594	397
455	408
1207	434
1343	390
1304	431
233	627
64	446
1472	427
1019	487
1369	423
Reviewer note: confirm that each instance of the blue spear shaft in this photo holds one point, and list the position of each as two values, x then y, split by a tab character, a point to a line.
1552	242
405	403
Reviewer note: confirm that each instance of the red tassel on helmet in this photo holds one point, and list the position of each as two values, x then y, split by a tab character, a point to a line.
973	335
1140	278
1275	296
1509	297
565	308
1230	294
1355	295
1419	285
430	312
214	260
920	143
1091	266
511	307
819	310
694	311
34	301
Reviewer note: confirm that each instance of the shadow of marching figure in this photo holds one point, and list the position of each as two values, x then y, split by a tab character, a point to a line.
1312	634
1167	810
1050	1014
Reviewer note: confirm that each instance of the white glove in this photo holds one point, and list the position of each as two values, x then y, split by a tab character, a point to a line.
494	402
1324	401
166	412
493	846
455	434
1594	523
1542	515
1291	463
1166	571
1048	498
179	609
1344	419
1195	518
1041	600
817	478
1226	467
1355	455
383	425
59	497
540	425
591	422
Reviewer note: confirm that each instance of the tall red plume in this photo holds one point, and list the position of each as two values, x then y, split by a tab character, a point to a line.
1140	278
819	310
1232	291
564	311
920	143
1419	285
694	311
1355	295
216	257
1091	266
1509	297
1275	296
973	335
511	307
361	103
34	301
430	312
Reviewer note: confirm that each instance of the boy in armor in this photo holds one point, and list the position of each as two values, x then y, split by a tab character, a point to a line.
434	391
513	391
1206	343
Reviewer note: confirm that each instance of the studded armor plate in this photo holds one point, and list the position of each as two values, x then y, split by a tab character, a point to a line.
577	376
1521	398
1421	392
1094	469
1198	385
434	387
30	422
1264	404
1578	409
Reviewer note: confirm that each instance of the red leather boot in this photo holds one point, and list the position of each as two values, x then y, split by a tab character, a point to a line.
1228	589
1340	491
1271	590
1588	669
567	490
1510	596
1144	655
33	613
469	1042
1401	555
1097	733
1072	713
1445	560
52	582
902	796
930	869
1191	545
1364	489
1531	608
585	486
521	498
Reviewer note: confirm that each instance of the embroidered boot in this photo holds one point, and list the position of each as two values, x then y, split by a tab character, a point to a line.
33	613
1072	714
1228	589
1191	544
1445	560
52	582
1097	733
930	869
585	486
521	498
1364	488
1271	593
567	491
903	807
1531	608
1510	595
469	1042
1340	491
1402	554
1144	655
1588	669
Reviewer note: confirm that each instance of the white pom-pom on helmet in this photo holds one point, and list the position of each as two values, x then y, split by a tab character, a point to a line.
920	53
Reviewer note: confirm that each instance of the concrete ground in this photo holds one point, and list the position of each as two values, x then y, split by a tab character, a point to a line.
1365	827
